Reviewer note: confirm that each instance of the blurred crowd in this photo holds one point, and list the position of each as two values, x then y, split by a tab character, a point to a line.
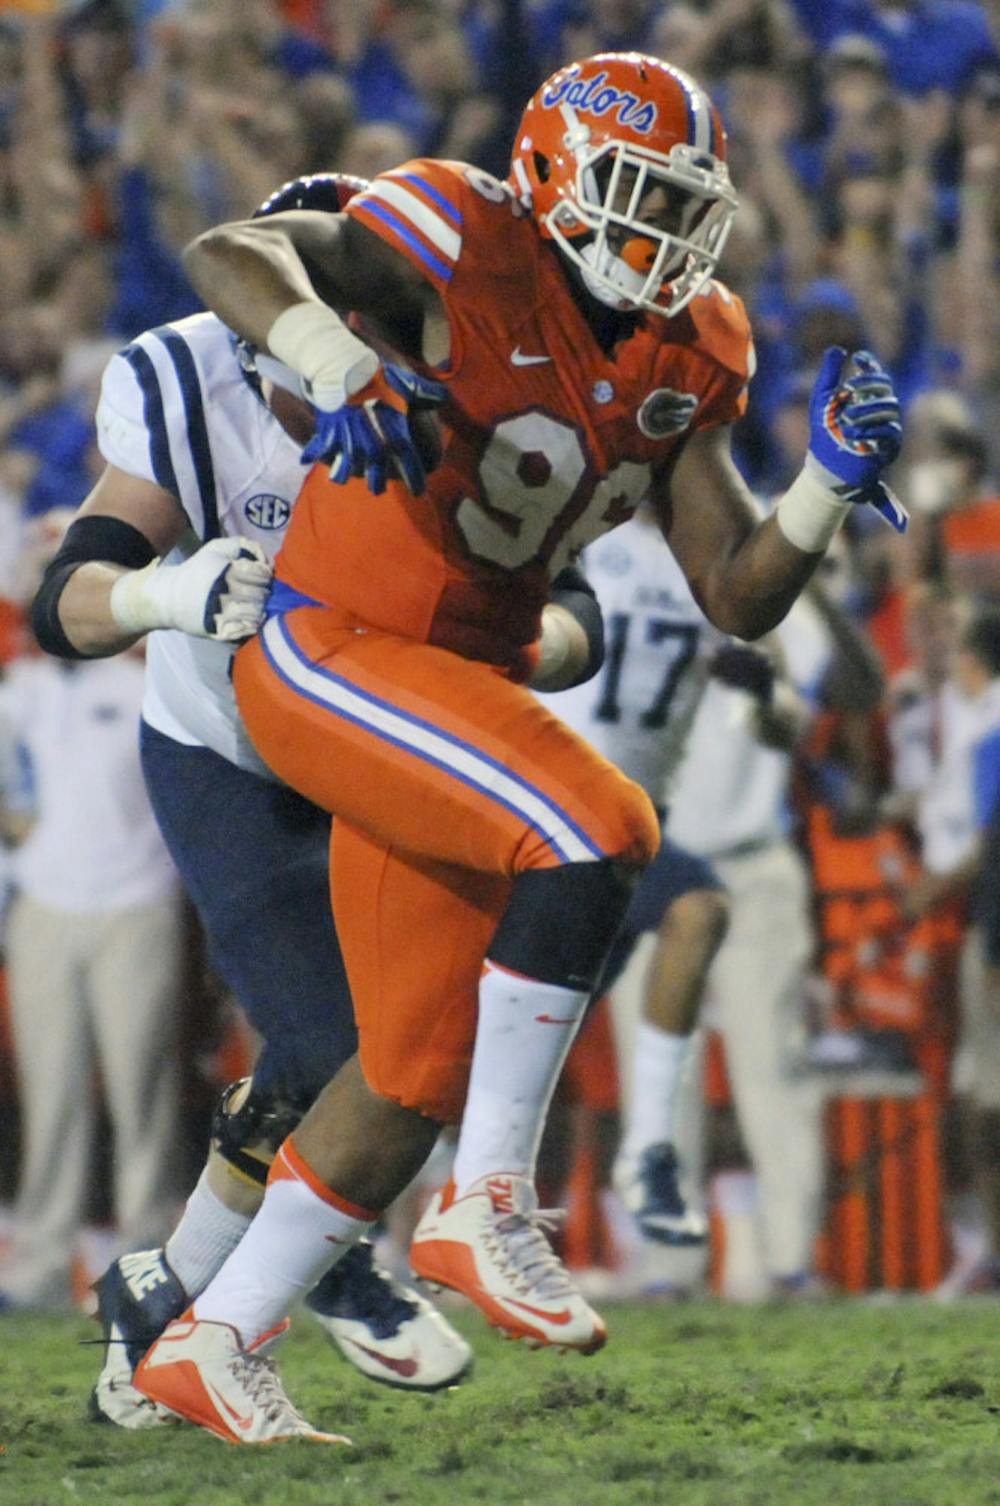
863	137
864	140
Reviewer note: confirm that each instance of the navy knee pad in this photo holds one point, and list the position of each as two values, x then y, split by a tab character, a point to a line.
560	922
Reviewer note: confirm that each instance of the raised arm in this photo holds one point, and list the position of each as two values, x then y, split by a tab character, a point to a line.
745	573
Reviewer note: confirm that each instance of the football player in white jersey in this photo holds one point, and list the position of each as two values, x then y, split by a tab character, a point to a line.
659	653
202	449
732	807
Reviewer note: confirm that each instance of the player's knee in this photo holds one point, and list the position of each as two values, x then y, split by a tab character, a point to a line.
637	827
560	922
621	823
248	1126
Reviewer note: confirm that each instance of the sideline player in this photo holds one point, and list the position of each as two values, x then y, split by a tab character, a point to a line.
202	452
592	363
660	653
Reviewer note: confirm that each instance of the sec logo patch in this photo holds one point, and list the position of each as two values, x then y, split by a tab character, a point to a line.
268	511
666	412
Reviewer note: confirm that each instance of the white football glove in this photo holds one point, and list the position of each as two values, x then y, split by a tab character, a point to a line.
220	592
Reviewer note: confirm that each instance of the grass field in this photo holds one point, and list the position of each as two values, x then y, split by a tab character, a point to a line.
693	1405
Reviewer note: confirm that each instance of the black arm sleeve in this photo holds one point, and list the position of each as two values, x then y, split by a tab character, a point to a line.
109	540
572	590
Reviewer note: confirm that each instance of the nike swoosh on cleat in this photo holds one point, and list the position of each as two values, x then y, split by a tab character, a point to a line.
333	1240
548	1019
243	1421
518	358
405	1368
539	1312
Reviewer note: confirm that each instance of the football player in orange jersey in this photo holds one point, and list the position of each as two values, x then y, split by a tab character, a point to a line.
586	359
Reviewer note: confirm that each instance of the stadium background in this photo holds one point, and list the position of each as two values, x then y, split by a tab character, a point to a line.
865	144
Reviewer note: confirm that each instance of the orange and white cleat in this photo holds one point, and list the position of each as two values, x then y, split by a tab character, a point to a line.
202	1372
488	1245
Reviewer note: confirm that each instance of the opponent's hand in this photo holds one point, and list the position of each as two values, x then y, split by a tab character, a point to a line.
855	431
220	592
237	599
744	668
371	433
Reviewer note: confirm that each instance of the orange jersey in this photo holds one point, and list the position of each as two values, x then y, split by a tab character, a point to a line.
549	441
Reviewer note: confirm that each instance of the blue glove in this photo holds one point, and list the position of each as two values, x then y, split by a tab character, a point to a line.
371	431
855	432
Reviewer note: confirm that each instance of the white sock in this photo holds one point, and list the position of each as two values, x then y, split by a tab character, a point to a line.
524	1032
205	1237
658	1063
300	1231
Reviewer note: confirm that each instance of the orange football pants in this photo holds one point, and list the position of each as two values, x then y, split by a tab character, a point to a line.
447	781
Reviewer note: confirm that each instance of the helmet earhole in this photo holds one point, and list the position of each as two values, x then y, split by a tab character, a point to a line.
541	166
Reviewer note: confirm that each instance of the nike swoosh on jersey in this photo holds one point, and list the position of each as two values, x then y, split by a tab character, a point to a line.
518	358
405	1368
551	1019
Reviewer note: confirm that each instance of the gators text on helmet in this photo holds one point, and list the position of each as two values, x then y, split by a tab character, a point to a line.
594	143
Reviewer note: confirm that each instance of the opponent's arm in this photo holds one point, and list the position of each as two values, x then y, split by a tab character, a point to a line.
855	680
746	573
279	282
105	587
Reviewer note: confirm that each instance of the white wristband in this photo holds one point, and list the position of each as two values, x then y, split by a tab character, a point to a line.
313	339
555	643
809	514
135	603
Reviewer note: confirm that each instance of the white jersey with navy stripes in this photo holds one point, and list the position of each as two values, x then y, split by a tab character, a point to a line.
176	409
731	791
638	710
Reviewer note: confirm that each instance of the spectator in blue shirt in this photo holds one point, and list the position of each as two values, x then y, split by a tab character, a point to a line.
52	432
928	44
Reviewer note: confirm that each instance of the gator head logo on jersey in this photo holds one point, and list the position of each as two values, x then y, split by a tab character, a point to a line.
621	160
268	511
665	412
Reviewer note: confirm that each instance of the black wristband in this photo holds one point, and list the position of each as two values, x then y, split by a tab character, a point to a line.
109	540
572	578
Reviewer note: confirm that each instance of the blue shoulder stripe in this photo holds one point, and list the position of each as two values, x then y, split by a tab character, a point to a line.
436	265
197	429
439	199
152	413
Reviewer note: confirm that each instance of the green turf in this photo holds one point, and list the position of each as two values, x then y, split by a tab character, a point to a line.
696	1405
